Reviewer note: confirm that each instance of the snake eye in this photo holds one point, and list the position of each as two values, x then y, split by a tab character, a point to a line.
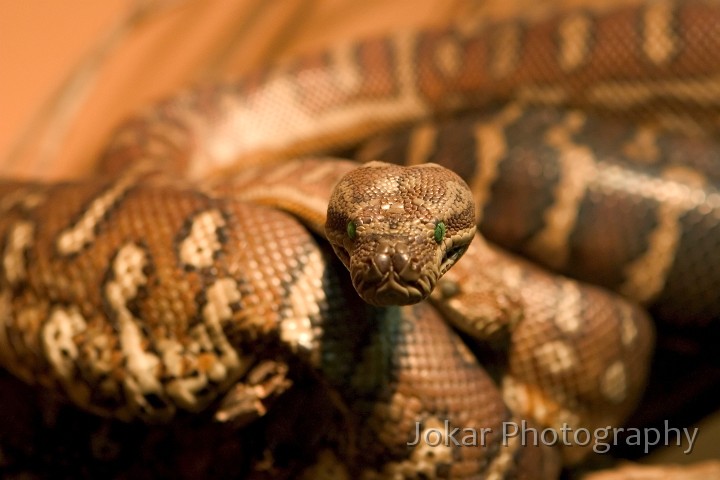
440	232
351	230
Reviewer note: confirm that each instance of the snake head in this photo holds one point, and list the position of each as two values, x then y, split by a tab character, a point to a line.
399	229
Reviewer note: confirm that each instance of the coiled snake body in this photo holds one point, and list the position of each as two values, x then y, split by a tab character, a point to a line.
164	285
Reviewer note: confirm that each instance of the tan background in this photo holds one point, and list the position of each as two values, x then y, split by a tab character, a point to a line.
71	69
44	42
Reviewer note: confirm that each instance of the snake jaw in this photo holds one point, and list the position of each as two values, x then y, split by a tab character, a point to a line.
392	291
389	278
456	248
389	289
341	253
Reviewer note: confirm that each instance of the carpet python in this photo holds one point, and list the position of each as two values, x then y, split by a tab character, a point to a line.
192	274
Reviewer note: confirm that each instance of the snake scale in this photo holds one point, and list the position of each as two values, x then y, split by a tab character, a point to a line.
192	273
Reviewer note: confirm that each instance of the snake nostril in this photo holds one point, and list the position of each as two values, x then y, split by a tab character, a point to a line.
382	262
400	261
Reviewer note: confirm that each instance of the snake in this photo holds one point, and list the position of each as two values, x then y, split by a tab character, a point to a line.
201	268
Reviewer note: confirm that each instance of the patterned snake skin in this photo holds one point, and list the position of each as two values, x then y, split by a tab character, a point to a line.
192	275
564	207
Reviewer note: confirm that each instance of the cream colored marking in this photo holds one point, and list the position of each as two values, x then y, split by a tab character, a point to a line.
479	319
217	311
575	33
623	95
100	349
659	40
541	403
516	395
421	143
74	238
577	168
448	55
346	70
201	245
490	150
171	352
24	320
503	461
142	367
628	328
512	273
33	199
504	50
569	314
393	208
250	125
567	417
642	147
426	456
297	329
465	353
613	383
20	239
209	337
556	357
58	340
184	391
679	191
24	197
221	295
642	284
12	199
200	338
542	94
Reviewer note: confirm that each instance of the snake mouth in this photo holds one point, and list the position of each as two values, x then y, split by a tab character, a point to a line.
391	289
342	254
451	256
390	279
